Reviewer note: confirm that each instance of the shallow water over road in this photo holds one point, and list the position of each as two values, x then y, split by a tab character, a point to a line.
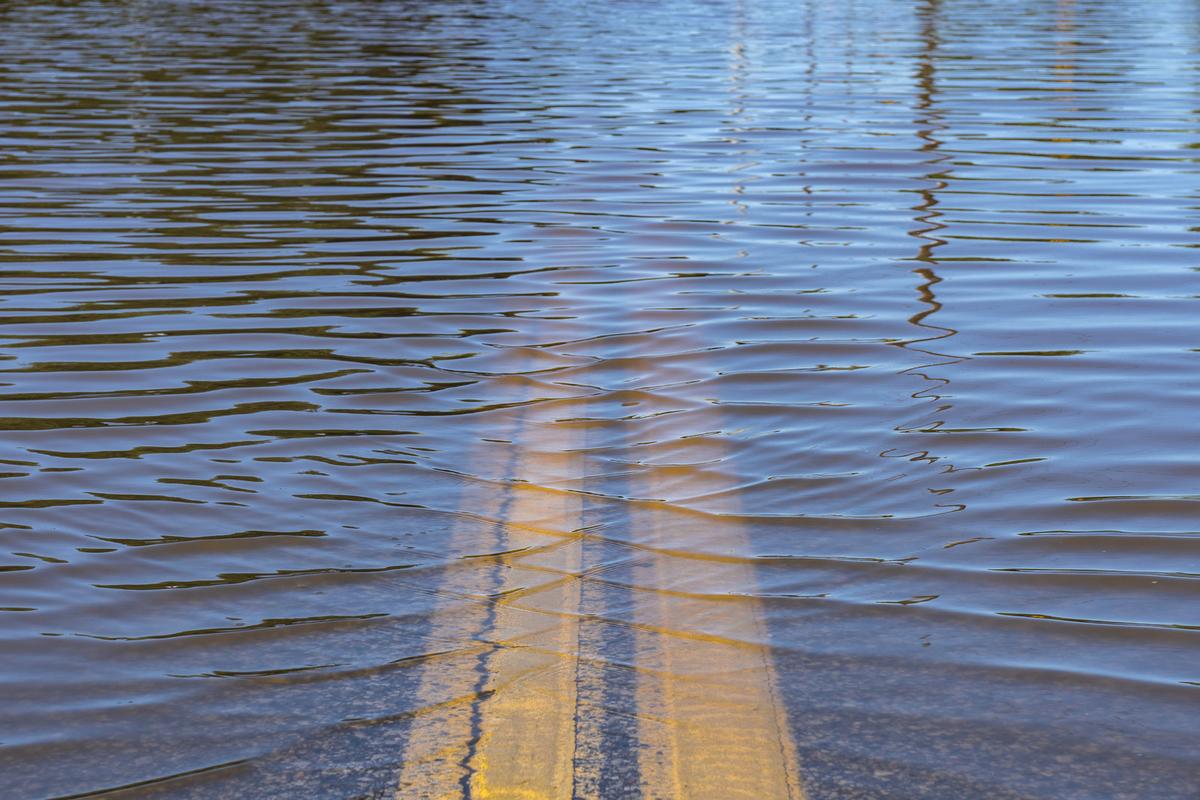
720	399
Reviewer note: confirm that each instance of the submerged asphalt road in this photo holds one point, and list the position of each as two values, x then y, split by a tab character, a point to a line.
542	399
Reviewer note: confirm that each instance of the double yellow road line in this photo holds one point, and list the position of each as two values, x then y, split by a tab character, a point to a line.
503	717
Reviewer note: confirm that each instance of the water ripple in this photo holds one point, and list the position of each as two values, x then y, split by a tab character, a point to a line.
886	306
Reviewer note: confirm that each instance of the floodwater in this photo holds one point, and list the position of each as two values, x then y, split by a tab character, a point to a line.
549	399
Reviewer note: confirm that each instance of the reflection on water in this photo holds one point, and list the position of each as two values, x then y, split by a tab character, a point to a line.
381	379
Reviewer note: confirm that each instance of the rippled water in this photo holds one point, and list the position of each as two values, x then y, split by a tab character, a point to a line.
348	344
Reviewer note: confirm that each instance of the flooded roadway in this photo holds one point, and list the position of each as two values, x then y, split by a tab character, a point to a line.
544	399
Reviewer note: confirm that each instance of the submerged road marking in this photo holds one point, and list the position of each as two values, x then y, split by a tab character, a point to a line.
713	721
498	718
526	742
501	708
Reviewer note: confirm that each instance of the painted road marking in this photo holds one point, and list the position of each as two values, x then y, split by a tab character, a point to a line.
713	722
499	718
502	707
526	744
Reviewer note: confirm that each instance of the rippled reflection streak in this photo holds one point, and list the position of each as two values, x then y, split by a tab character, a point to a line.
626	400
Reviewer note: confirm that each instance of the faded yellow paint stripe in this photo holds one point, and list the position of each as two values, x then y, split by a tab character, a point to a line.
712	722
501	712
527	743
498	714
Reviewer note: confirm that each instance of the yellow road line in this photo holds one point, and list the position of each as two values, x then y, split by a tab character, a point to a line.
526	746
713	723
501	718
499	715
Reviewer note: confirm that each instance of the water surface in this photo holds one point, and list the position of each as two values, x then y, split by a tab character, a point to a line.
380	377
